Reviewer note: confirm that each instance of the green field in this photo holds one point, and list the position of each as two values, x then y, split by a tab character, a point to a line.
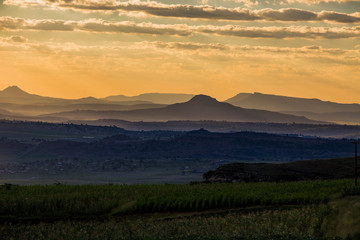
293	210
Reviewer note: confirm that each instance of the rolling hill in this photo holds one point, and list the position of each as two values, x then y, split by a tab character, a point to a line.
290	171
195	145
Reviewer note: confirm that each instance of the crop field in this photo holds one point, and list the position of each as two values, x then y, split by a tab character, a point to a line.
291	210
302	223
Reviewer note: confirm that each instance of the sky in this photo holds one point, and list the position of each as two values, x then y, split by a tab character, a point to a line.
80	48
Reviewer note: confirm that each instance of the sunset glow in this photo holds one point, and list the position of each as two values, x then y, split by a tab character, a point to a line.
79	48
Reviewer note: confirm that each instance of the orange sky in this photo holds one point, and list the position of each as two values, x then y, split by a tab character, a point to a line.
304	49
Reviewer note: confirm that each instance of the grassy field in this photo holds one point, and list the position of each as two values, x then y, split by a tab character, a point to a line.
293	210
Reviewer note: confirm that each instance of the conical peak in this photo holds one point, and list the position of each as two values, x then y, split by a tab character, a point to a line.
202	99
14	90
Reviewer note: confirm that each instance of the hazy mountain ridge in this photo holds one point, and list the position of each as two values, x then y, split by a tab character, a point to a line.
337	117
159	98
39	109
7	113
257	107
311	108
283	103
15	95
310	130
200	107
17	101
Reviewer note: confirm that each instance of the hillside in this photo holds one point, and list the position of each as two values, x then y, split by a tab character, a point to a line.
86	153
298	170
198	145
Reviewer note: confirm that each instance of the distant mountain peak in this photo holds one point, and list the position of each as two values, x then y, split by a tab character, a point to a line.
89	98
13	88
200	131
14	91
201	98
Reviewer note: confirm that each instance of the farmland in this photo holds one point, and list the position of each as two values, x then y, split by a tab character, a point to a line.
292	210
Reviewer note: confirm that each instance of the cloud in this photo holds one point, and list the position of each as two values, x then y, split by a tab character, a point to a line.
284	2
246	3
188	51
310	2
102	26
312	49
96	25
194	11
93	25
16	39
235	52
282	32
190	46
12	23
181	46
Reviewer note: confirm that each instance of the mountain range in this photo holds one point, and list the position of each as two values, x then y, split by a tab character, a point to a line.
281	103
15	95
159	98
244	107
200	107
311	108
15	100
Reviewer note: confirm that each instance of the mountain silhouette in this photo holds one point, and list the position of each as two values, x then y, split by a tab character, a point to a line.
13	91
200	107
202	99
14	99
14	94
159	98
282	103
311	108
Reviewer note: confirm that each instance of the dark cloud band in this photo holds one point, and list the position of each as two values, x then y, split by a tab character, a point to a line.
102	26
197	12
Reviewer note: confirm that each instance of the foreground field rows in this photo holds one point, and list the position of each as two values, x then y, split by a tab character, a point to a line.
293	210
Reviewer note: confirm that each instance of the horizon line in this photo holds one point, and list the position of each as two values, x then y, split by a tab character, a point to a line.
179	93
